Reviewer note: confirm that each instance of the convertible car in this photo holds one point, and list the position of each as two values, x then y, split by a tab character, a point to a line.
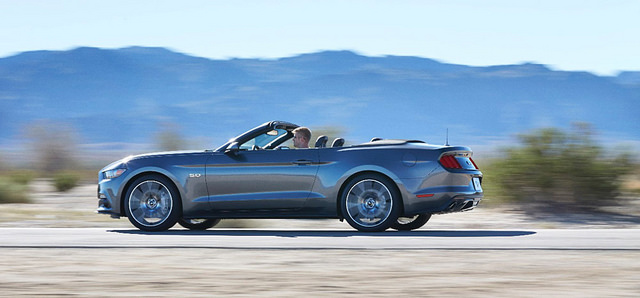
374	186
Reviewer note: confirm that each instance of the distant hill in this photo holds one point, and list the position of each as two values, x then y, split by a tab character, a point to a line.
125	95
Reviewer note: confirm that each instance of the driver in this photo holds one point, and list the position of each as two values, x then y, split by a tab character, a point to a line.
301	137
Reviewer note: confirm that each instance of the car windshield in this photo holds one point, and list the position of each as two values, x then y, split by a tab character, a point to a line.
263	140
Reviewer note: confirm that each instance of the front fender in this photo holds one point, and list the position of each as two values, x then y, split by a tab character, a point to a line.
188	180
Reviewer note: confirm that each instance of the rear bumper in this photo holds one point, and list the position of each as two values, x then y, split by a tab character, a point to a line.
418	199
443	203
461	204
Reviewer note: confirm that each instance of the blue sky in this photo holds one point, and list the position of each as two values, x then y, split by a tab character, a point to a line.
597	36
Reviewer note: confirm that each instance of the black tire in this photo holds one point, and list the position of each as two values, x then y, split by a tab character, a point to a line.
152	203
198	224
411	223
370	203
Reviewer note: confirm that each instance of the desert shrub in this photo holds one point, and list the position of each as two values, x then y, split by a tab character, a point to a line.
23	177
12	192
65	181
169	138
554	167
53	145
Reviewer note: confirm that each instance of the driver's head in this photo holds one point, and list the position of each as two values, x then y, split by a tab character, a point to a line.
301	137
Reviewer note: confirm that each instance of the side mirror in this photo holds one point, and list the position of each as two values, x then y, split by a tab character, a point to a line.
232	148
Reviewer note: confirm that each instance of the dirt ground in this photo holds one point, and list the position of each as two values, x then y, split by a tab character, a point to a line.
308	273
191	272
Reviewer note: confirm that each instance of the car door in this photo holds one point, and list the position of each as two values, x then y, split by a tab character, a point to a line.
265	180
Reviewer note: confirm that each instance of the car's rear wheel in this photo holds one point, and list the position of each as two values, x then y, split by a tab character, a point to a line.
411	223
152	203
370	203
198	223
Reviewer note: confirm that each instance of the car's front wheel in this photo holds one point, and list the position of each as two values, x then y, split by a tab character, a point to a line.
411	223
370	203
198	223
152	203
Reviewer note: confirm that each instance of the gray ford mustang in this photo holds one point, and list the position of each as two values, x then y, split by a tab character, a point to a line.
374	186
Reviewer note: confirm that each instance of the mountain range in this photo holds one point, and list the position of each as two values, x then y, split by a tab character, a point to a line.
123	96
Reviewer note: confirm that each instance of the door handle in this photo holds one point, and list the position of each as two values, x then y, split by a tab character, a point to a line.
302	162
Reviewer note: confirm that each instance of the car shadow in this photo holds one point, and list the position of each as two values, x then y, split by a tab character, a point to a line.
332	233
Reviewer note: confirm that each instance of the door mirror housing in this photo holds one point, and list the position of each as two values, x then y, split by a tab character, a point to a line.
233	148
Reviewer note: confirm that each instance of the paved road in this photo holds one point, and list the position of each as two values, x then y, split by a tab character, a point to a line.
579	239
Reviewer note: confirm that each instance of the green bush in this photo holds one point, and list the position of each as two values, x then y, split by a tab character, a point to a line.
65	181
12	192
23	177
557	168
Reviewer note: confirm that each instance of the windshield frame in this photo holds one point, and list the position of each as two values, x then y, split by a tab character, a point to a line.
262	129
265	140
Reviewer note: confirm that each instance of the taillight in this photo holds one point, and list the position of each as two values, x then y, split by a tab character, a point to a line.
474	163
450	162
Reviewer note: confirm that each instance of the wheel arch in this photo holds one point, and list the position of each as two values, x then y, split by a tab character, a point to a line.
366	172
124	190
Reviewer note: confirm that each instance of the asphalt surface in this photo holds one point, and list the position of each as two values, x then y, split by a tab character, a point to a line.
468	239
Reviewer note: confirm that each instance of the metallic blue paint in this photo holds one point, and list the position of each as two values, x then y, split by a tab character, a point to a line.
272	182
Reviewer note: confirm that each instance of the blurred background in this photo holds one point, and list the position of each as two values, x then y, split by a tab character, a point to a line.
547	94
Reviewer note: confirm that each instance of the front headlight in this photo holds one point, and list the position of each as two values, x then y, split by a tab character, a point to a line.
114	173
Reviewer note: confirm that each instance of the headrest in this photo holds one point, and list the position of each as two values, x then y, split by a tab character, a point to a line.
322	141
338	142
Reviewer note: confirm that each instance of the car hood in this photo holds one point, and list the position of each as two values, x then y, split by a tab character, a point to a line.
124	161
165	153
